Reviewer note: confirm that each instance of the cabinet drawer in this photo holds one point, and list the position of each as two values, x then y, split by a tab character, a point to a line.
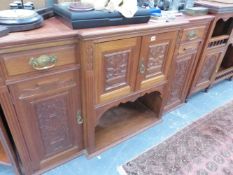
188	47
38	60
195	33
46	84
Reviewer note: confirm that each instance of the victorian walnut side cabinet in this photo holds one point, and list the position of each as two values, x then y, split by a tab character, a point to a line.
68	92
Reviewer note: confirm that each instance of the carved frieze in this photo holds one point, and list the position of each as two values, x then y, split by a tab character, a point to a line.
89	57
53	124
116	69
156	57
178	81
208	68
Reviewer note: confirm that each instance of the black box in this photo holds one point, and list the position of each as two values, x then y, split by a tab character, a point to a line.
94	18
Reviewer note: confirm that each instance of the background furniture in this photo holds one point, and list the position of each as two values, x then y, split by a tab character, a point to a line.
216	63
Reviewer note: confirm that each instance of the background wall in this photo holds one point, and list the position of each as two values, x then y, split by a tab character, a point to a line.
4	4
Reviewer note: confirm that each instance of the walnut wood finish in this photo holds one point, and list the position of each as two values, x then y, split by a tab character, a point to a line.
151	101
64	54
123	121
155	58
118	65
47	108
194	33
183	66
209	70
191	41
117	75
115	67
188	48
1	78
9	112
7	153
4	160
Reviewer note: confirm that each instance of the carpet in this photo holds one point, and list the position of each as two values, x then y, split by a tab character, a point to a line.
203	148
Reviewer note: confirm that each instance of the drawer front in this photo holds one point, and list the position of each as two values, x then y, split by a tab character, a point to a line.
45	85
188	48
38	60
192	34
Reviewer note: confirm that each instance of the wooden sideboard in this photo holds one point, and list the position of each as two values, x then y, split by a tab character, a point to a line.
65	91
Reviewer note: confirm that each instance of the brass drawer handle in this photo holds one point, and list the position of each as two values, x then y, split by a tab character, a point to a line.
142	67
43	62
192	35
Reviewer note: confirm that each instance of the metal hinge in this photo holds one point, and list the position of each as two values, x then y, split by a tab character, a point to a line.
79	118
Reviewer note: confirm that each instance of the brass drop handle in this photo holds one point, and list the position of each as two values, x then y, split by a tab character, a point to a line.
142	67
43	62
192	35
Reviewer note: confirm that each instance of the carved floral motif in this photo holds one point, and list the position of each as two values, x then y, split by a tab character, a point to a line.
208	68
178	81
52	119
156	58
116	67
89	53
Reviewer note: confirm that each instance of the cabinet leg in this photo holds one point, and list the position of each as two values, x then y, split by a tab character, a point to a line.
207	90
186	100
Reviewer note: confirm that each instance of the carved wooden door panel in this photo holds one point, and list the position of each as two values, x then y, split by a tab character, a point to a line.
48	108
115	68
155	59
179	80
208	70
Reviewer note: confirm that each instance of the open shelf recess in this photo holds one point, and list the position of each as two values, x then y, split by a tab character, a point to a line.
125	120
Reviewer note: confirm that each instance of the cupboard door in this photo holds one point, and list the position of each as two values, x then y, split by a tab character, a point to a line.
207	70
179	80
115	68
48	108
155	59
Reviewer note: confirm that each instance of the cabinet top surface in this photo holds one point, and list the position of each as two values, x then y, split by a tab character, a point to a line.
54	29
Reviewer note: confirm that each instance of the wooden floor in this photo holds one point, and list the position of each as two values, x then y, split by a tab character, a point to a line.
122	121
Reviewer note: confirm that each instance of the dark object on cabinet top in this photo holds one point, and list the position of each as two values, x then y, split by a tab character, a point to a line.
89	19
20	19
